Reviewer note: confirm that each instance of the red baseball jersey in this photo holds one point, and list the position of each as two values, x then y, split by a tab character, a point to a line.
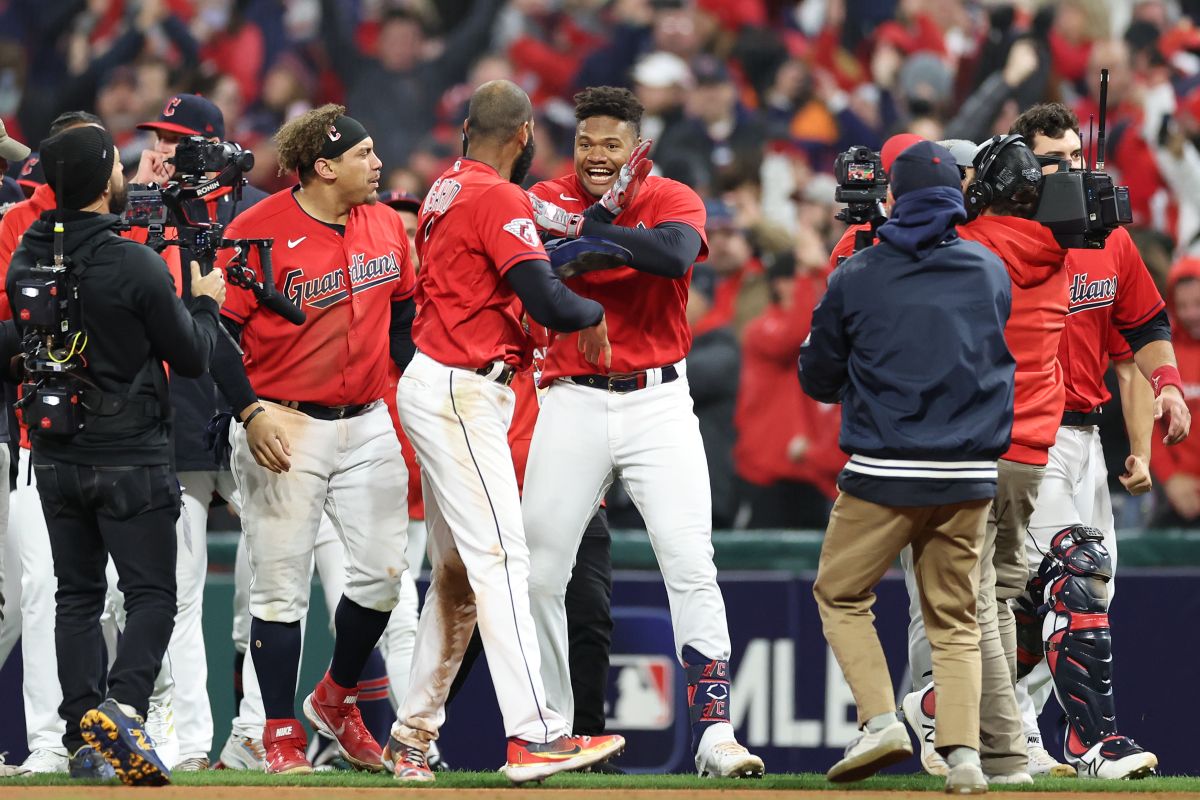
474	227
646	314
345	282
1110	289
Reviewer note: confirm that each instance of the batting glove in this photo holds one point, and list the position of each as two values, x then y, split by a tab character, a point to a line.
629	180
552	219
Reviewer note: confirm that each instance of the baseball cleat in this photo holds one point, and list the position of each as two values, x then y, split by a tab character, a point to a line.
871	752
966	779
333	710
41	761
1042	763
88	764
1115	758
406	762
535	761
123	742
242	752
918	709
1010	779
729	759
283	744
194	764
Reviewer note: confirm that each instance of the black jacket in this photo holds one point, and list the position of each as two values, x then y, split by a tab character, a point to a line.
914	350
197	400
132	318
713	367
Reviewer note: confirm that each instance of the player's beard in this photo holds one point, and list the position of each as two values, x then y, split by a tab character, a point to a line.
118	197
521	166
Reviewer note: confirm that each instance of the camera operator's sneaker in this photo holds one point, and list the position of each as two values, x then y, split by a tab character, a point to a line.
243	752
122	739
1042	763
1114	758
918	709
871	752
1010	779
406	762
966	779
88	764
535	761
333	710
283	744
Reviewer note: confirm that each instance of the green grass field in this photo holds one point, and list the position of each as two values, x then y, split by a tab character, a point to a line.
614	783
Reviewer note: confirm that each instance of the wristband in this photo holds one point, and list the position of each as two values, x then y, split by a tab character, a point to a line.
1166	375
253	414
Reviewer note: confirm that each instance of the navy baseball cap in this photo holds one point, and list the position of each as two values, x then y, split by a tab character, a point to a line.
401	201
718	215
189	115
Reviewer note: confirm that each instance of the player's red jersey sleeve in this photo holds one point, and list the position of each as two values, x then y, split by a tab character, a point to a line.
1118	348
1137	297
506	230
675	202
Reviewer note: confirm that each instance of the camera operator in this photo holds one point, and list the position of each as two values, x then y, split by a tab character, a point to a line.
1115	312
1004	194
194	401
108	489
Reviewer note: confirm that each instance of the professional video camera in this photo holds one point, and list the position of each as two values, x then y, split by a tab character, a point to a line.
862	185
1083	207
157	207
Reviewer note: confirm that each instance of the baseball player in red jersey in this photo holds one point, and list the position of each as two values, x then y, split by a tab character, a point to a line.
1071	545
315	434
479	252
632	420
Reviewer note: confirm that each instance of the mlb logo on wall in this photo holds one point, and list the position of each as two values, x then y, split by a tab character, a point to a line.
644	693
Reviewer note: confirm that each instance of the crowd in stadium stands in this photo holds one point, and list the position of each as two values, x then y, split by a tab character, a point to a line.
748	101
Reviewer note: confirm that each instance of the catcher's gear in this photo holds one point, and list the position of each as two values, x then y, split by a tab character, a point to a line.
629	180
571	257
555	220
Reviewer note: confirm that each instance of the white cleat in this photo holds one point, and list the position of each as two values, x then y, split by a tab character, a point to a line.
966	779
913	707
1116	758
728	759
43	761
243	752
160	725
871	752
1011	779
1042	763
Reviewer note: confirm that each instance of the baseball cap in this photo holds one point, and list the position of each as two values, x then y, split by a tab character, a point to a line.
31	175
10	148
708	70
963	151
718	215
922	166
401	201
660	70
87	164
189	115
895	146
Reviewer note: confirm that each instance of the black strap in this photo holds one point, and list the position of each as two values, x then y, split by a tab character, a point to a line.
1082	419
623	384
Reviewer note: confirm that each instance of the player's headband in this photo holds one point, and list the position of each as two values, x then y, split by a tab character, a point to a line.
344	133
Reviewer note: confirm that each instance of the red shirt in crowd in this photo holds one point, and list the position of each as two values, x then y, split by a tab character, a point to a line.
345	282
1183	458
646	314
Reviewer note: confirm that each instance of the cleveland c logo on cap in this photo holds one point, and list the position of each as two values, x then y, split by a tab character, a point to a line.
169	111
333	134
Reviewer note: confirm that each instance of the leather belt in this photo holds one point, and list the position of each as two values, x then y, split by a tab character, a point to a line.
1082	419
499	372
623	384
322	412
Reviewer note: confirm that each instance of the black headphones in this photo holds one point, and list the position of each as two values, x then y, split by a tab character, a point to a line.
979	193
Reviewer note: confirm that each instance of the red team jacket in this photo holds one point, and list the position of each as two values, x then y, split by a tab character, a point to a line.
1184	457
1039	307
647	323
344	282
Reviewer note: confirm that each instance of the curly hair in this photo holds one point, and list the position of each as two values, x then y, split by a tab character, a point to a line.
609	101
1023	203
1051	120
299	141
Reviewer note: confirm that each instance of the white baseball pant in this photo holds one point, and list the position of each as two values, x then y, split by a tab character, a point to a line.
400	636
458	424
650	438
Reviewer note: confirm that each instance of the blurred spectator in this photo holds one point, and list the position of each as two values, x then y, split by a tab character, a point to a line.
395	93
1177	469
732	136
712	372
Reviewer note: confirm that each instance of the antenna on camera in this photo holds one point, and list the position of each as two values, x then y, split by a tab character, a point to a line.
1103	109
1089	152
59	230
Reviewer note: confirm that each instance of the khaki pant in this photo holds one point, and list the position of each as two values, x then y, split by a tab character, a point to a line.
1016	494
861	543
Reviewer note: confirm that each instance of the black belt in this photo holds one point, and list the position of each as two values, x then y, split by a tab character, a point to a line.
1081	419
623	384
504	377
322	412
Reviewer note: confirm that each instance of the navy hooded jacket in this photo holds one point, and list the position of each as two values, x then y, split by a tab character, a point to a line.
909	338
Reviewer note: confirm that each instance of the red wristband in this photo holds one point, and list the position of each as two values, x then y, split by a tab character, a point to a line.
1166	375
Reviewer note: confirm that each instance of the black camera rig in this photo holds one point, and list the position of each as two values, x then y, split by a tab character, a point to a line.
1082	207
862	186
157	207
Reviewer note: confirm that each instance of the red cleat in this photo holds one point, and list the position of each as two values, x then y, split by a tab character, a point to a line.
535	761
284	742
334	712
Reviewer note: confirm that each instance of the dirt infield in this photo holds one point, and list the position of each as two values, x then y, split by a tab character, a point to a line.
539	793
